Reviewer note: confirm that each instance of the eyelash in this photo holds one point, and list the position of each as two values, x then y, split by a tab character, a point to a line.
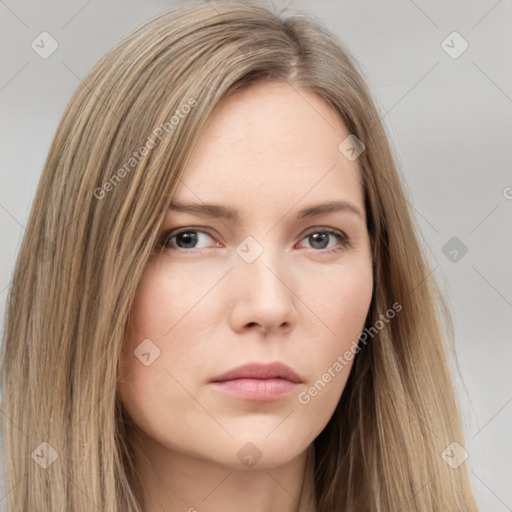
339	235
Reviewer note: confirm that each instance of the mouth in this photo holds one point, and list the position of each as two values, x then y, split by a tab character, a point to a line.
258	382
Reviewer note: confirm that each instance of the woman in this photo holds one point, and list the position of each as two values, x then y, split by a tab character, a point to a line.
220	297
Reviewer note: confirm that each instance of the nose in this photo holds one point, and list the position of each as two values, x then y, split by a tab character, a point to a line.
262	295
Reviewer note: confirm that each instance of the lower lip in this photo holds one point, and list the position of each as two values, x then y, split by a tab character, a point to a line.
262	390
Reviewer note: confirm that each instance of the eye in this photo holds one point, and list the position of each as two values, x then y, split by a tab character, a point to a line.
319	239
189	240
185	239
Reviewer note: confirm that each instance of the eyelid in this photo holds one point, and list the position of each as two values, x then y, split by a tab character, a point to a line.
341	236
176	231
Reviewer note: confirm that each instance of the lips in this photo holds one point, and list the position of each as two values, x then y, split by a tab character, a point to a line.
260	371
258	382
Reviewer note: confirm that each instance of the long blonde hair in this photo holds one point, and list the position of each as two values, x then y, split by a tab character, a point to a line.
95	220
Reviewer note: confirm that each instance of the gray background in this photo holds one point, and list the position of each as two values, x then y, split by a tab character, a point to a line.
449	123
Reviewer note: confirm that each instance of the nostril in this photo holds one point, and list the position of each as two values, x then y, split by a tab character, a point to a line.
251	324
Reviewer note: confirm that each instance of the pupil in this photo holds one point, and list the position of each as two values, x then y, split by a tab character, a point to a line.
188	237
319	236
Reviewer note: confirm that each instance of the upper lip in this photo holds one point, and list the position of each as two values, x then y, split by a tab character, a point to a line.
259	371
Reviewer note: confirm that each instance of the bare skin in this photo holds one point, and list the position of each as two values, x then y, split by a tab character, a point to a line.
268	152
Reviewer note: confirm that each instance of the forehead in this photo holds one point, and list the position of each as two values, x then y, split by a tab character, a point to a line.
271	144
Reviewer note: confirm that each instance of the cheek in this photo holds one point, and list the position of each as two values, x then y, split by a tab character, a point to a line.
342	310
340	300
160	341
165	299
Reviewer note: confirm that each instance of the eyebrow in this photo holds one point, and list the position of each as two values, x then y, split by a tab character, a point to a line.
219	211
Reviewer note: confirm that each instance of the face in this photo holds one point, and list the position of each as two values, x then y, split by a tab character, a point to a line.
279	282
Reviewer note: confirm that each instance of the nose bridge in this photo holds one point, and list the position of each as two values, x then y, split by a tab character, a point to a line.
259	263
261	284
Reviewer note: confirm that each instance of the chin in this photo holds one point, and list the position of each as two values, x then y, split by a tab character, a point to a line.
266	449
